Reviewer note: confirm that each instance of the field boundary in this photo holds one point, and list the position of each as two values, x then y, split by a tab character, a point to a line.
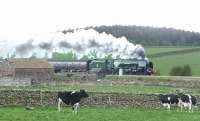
184	51
22	97
171	81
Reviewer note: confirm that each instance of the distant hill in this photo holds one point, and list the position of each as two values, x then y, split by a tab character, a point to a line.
150	36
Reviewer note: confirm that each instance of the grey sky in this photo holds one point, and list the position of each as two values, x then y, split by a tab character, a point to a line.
21	19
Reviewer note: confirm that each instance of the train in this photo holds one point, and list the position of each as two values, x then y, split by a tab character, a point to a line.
104	67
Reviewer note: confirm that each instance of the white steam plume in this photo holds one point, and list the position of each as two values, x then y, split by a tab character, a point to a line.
80	41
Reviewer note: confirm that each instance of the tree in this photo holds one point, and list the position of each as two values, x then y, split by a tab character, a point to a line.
34	55
117	57
108	56
84	57
13	55
46	55
150	36
64	56
92	54
187	71
176	71
181	71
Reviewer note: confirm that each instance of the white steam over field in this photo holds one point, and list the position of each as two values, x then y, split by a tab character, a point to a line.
80	41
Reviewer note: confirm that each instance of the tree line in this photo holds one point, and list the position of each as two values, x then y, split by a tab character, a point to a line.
151	36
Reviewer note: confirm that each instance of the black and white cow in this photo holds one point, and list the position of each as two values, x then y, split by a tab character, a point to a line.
71	98
168	99
187	100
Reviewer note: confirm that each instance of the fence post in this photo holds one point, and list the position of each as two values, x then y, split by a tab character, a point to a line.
41	102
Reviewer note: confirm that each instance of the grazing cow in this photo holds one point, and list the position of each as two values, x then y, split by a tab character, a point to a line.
187	100
168	99
71	98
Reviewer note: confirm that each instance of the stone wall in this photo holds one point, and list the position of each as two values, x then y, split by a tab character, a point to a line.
156	82
22	97
37	75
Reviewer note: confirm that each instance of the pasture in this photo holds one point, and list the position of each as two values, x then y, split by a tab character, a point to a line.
155	50
99	113
19	113
165	63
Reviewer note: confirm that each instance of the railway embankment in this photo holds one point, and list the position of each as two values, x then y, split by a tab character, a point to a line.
172	81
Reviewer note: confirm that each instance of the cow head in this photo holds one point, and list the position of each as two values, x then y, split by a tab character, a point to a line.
83	93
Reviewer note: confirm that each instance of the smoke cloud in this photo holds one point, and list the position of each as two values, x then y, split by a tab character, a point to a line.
46	45
24	49
64	44
80	41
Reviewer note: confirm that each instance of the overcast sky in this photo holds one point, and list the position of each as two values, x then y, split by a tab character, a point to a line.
21	19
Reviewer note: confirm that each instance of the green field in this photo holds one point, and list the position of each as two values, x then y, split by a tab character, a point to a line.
155	50
152	78
96	114
166	63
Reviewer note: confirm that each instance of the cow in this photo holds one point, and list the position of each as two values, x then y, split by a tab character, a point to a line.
168	99
187	100
71	98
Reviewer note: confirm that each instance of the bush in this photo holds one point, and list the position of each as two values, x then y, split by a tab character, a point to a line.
187	71
176	71
181	71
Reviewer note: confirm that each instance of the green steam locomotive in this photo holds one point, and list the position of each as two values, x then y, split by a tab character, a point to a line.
104	67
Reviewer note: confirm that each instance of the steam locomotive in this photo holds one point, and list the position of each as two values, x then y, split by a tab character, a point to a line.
104	67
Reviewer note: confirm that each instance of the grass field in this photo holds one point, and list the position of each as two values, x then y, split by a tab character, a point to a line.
95	114
165	64
135	89
155	50
152	78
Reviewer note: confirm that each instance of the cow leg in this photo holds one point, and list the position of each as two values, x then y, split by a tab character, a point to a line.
181	107
75	107
190	107
168	107
59	103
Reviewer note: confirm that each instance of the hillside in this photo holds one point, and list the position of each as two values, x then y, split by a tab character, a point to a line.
165	63
150	36
161	52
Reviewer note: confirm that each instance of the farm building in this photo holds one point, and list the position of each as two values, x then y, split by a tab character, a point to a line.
35	70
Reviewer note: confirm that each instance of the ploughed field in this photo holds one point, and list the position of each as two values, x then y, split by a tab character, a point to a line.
95	114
